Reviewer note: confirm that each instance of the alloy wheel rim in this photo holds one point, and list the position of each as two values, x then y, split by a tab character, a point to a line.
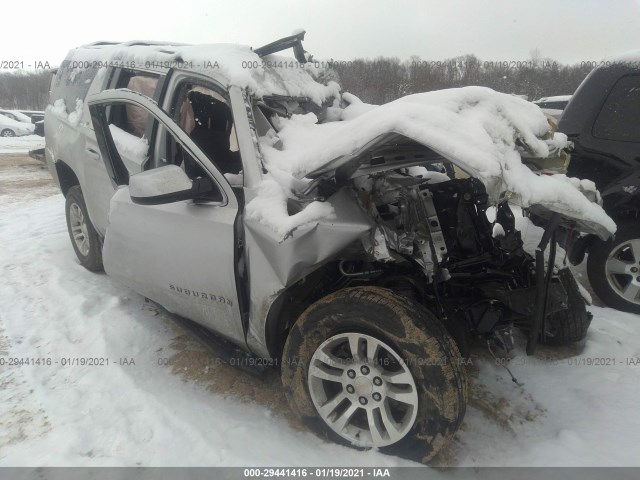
622	270
79	229
363	390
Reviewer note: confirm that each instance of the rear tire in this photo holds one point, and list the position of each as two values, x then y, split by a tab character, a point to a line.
610	268
399	328
84	238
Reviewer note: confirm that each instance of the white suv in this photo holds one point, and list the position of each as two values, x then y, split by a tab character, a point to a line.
346	243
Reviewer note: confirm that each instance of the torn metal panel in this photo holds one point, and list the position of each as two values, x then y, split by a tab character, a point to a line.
276	264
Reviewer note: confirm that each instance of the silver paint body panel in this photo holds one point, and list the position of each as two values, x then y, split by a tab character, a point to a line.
183	255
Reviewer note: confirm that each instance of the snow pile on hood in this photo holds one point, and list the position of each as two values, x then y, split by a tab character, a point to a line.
482	131
475	127
231	64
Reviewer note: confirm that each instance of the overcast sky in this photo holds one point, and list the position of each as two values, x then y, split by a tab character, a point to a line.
567	30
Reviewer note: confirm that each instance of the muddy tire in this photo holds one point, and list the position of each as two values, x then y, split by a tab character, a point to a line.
614	268
84	238
570	325
402	352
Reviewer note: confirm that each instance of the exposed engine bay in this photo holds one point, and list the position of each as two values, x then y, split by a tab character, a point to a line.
435	243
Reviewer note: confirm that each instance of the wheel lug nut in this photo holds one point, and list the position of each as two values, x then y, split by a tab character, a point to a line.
363	400
351	374
377	396
377	381
364	369
350	389
634	269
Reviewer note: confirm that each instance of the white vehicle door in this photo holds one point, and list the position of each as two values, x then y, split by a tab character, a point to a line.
179	251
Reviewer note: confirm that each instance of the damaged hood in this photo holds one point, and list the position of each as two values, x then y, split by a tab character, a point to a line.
483	132
579	208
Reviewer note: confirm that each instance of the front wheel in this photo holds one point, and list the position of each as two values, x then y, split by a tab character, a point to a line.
368	368
7	133
614	268
84	238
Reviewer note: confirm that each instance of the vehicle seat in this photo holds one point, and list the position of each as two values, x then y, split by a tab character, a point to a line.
212	129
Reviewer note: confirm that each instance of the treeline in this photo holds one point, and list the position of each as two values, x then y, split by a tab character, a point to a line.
384	79
24	90
378	80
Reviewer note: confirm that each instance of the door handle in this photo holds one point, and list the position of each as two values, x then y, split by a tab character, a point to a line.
92	154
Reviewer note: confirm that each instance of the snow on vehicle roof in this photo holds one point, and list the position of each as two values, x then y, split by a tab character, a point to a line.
231	64
630	56
23	118
10	122
477	128
556	98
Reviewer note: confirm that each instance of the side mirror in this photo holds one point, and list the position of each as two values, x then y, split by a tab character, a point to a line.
167	184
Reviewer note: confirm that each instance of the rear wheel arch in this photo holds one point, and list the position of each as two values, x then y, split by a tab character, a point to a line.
66	176
584	246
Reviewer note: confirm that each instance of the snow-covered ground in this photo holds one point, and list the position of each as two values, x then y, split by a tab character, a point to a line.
21	144
179	406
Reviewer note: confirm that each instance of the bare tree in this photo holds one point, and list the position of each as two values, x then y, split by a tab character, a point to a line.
22	90
381	79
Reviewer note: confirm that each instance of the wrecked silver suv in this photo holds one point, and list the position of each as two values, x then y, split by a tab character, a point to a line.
362	248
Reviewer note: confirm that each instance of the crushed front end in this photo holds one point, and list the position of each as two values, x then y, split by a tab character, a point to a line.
475	273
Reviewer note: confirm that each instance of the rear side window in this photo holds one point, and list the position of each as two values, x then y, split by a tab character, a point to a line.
134	119
71	83
618	119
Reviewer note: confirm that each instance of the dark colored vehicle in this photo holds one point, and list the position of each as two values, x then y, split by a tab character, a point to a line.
603	122
34	115
39	130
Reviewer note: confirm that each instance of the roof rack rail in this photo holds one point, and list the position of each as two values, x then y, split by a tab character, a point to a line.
100	43
145	43
293	41
134	43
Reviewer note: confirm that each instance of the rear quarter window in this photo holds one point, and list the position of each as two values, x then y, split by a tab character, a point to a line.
619	118
134	119
71	84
